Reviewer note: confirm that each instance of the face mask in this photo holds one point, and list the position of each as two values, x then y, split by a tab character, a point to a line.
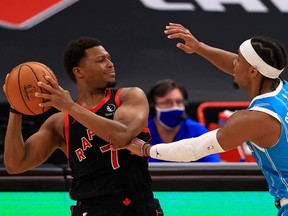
169	118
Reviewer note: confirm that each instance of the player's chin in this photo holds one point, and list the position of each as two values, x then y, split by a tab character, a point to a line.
235	85
111	83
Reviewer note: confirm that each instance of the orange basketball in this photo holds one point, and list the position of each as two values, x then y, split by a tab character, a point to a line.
21	86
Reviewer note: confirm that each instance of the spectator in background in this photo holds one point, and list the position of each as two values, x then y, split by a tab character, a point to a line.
168	121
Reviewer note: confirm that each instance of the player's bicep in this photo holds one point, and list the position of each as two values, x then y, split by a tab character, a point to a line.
236	131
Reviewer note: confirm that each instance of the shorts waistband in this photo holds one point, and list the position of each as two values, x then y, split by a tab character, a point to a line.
117	200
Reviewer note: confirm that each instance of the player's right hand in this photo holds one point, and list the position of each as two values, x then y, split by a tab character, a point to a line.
4	86
174	30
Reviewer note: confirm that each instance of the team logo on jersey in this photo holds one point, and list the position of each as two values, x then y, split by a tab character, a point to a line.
210	147
21	15
111	107
157	154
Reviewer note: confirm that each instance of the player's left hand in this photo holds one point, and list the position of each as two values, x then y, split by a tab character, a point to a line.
57	96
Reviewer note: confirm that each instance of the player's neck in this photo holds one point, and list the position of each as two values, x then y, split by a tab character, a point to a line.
262	87
268	85
90	99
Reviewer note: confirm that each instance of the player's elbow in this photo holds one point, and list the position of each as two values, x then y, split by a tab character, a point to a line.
12	168
185	155
123	136
120	140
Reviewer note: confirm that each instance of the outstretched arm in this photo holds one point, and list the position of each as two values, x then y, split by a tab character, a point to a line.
220	58
240	127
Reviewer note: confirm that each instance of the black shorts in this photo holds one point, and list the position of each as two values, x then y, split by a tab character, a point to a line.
149	208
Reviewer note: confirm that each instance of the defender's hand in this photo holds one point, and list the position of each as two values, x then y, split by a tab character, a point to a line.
175	30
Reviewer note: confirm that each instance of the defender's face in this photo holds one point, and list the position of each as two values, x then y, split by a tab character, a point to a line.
241	71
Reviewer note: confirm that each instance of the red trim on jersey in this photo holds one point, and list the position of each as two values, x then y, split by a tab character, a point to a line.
66	132
114	159
117	97
101	103
146	130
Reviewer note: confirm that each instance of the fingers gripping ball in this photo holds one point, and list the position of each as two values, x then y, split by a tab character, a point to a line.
21	85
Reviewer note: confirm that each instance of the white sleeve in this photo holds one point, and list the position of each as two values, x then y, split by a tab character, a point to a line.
187	149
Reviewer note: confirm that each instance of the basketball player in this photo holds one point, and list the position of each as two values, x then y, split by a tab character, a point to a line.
264	124
105	181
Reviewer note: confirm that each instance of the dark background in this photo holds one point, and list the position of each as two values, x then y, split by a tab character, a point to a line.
133	34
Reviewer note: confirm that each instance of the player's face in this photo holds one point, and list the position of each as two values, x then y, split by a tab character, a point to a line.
241	71
98	69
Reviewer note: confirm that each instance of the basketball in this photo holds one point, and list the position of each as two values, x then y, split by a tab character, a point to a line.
21	85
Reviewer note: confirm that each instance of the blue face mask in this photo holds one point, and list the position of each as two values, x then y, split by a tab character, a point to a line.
169	118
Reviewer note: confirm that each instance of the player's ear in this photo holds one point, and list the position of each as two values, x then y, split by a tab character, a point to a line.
254	71
77	72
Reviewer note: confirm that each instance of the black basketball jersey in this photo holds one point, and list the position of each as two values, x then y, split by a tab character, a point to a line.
97	170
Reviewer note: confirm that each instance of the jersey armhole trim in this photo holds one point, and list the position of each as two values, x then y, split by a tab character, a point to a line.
269	112
117	97
66	132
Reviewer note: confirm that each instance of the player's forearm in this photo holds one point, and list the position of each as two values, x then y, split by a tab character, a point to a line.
110	130
14	150
222	59
188	149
